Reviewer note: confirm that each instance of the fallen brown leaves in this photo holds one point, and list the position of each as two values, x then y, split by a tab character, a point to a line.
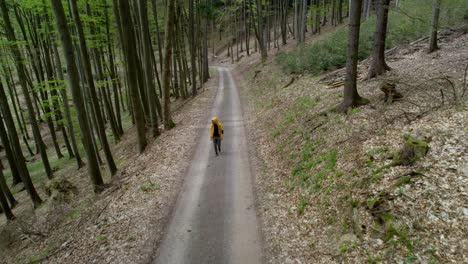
422	209
125	223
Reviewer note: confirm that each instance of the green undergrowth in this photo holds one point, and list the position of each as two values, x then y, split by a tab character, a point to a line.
299	126
36	168
300	106
406	24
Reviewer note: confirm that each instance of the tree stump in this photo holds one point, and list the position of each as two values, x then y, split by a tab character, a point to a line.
414	149
391	94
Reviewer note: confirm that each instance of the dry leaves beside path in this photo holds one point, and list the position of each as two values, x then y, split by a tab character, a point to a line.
324	183
125	223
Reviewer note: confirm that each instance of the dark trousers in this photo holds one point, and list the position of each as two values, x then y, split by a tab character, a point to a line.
217	144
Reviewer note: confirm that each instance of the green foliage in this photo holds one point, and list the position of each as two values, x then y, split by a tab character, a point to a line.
372	259
353	111
410	21
149	187
395	232
101	237
347	246
300	106
402	181
307	170
414	149
372	202
76	212
302	205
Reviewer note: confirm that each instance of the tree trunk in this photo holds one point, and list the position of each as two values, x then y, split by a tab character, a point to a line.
74	81
434	26
378	65
192	49
91	88
5	189
20	161
369	7
340	11
351	95
3	198
130	47
19	62
9	154
260	32
114	78
148	67
170	18
66	106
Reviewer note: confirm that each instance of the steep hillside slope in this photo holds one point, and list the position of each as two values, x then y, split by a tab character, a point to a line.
341	188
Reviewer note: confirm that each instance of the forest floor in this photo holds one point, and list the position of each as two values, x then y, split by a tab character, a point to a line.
125	223
329	187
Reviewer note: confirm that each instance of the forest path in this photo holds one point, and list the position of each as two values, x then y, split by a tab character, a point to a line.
214	220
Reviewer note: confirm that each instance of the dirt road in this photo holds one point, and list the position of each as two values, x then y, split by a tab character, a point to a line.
214	220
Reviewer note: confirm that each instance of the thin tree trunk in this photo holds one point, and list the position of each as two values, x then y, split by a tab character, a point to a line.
66	106
131	59
351	95
434	26
340	12
113	74
170	18
19	62
148	66
369	6
192	48
260	32
9	154
3	197
20	161
92	89
378	65
74	80
5	189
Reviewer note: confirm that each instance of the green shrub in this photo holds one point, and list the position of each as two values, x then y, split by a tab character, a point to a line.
405	24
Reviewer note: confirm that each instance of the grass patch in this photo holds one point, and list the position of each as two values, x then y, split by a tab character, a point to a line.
101	237
300	106
312	169
36	168
75	213
149	187
302	205
394	232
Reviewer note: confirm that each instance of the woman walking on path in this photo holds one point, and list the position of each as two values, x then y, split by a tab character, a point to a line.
216	134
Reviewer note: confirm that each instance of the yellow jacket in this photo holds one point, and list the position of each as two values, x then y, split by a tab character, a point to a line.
220	127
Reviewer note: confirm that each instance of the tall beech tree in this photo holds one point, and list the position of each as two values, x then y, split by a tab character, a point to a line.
6	191
22	76
379	65
3	199
130	49
78	100
166	76
351	96
434	26
92	88
20	161
193	62
147	54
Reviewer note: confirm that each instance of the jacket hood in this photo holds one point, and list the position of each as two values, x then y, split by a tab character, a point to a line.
215	119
